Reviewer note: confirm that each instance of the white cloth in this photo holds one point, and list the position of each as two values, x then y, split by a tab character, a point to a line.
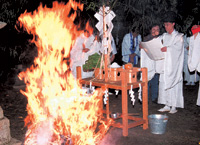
151	65
170	97
198	98
193	58
148	63
171	81
78	57
188	76
113	46
126	45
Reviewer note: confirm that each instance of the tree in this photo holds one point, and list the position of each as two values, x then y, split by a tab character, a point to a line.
143	13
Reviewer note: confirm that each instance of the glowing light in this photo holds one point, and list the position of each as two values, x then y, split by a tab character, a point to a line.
57	106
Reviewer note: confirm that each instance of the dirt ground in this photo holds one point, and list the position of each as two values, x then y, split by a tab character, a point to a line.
183	128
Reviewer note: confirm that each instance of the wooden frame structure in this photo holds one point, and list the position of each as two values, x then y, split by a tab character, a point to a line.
119	79
126	80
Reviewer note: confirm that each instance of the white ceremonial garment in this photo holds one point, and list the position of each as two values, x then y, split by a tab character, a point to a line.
113	46
126	46
188	76
171	80
151	65
148	63
78	57
194	58
198	98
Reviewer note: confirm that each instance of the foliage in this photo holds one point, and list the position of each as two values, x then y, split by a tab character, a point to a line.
92	62
143	13
10	47
10	10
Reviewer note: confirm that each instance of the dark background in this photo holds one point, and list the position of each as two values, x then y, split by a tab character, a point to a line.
15	47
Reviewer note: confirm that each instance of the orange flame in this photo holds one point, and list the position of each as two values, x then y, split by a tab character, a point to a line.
58	109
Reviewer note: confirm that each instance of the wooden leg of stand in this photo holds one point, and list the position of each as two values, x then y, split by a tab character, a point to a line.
107	108
124	104
145	106
145	98
101	102
124	111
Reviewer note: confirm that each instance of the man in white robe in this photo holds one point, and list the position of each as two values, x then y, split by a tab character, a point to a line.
130	47
85	45
153	76
171	68
193	57
190	77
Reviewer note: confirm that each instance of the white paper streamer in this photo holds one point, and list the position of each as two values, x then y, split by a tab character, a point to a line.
109	15
90	84
91	88
139	93
131	93
105	96
116	92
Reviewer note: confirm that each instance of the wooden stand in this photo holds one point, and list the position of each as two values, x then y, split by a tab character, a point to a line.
123	82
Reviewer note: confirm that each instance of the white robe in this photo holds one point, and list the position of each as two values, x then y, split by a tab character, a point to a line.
151	65
194	58
78	57
148	63
126	45
171	81
188	76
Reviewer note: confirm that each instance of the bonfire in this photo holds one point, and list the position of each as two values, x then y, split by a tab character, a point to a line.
59	110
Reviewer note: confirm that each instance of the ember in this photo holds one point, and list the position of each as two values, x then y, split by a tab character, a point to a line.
57	106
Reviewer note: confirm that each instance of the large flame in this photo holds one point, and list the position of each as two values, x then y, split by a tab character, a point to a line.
58	109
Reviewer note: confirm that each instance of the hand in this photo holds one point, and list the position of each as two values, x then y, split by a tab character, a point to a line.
164	49
85	50
132	57
140	46
112	58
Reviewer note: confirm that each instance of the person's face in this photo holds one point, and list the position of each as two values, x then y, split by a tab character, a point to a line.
135	33
169	27
86	33
155	30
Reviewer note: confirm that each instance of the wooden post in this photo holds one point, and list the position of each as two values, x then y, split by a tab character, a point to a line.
145	97
108	107
106	67
124	104
106	51
101	102
78	72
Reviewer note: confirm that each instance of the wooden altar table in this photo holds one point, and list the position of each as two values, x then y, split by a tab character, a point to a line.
123	80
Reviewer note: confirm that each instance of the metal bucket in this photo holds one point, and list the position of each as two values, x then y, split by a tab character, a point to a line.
158	123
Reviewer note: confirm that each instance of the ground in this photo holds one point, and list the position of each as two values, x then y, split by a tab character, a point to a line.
183	128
